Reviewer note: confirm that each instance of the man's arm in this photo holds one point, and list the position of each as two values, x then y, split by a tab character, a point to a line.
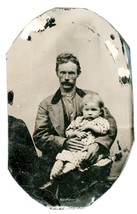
45	136
108	139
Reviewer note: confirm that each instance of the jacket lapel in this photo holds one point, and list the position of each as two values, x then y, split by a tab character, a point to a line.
56	110
57	118
56	113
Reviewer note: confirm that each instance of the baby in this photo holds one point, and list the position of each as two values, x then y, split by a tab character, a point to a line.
84	128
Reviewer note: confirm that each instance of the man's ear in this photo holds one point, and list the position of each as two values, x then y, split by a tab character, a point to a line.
78	75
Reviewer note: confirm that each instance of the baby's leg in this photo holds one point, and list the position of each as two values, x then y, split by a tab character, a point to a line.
68	167
56	169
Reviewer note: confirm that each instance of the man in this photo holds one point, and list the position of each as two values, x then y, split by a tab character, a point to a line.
23	160
22	155
57	111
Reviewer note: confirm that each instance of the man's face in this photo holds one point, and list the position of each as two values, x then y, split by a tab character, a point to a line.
67	74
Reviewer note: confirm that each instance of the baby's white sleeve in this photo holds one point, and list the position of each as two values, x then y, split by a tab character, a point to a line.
103	124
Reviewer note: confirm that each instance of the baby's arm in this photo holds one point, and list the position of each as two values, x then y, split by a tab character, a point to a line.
98	125
77	133
73	129
93	127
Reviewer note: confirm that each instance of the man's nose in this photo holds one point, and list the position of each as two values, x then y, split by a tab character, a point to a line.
66	76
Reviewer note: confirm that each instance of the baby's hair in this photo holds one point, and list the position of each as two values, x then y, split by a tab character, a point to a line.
92	98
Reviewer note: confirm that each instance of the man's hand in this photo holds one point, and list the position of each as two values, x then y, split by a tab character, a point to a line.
93	152
73	144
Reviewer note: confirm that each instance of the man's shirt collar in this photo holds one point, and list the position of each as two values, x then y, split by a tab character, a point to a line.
57	96
71	94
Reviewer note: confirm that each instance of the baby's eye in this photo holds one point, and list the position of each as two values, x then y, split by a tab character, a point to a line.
94	109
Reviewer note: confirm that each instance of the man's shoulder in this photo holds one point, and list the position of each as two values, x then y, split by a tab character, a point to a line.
89	91
83	92
16	124
14	120
47	100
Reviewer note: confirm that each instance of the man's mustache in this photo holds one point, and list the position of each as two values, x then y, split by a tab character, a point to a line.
67	83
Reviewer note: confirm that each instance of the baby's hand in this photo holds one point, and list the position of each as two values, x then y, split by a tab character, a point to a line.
85	127
81	134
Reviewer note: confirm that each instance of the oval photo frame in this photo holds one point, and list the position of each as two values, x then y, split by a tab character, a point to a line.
81	37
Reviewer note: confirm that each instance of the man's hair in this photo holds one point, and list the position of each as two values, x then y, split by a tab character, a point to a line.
92	98
67	57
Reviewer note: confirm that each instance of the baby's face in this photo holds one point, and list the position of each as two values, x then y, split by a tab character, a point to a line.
91	111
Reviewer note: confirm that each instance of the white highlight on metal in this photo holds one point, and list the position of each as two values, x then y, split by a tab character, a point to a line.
112	49
124	72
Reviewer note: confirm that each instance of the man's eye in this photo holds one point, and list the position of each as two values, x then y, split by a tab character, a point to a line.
63	73
71	73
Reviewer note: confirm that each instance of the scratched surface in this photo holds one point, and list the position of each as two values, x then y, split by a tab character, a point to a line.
106	68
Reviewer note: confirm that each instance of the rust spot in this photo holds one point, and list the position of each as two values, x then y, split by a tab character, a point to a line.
126	150
124	80
50	23
10	97
112	36
118	157
91	29
29	38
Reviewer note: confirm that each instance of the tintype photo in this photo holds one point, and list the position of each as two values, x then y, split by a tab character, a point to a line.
70	116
